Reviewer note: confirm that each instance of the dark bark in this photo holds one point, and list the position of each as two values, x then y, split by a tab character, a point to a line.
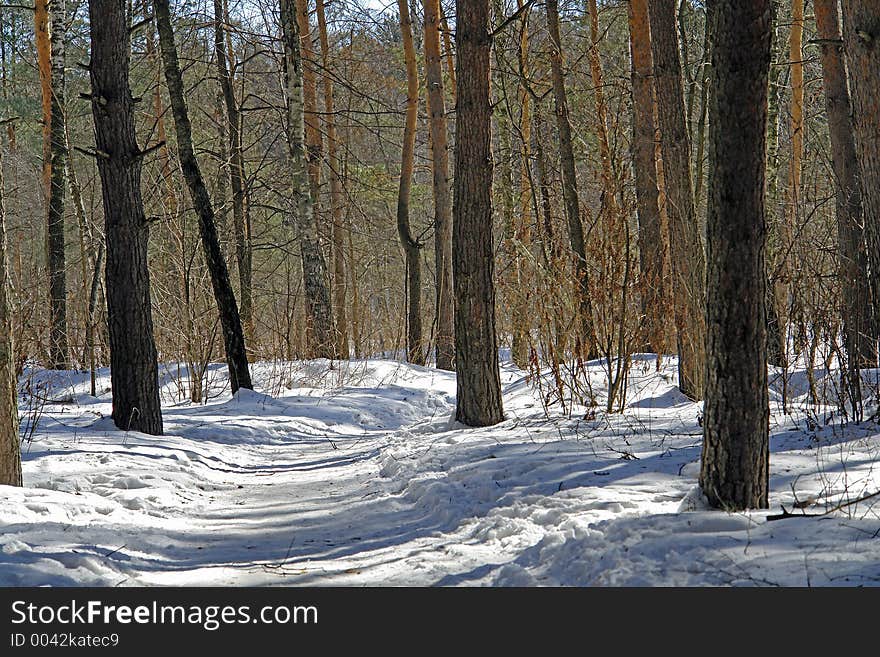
230	321
855	294
686	244
569	182
476	348
58	347
776	351
861	34
653	240
133	368
10	443
735	456
240	216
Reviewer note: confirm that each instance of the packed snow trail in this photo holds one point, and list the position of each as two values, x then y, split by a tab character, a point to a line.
357	475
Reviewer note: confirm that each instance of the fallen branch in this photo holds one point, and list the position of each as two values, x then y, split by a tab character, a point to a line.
788	514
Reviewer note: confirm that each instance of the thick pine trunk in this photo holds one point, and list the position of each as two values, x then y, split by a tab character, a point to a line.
686	244
855	294
735	456
10	443
301	209
653	238
240	214
569	183
476	348
411	246
861	35
230	320
133	368
445	339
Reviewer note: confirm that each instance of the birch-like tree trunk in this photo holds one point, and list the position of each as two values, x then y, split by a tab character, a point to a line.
300	204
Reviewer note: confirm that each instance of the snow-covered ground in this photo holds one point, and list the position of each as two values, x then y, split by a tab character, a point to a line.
357	475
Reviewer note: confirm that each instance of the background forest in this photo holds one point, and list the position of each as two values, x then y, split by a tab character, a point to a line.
297	178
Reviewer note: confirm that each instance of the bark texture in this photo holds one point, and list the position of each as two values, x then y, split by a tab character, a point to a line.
855	293
735	457
686	244
10	443
58	347
476	348
300	203
861	34
227	307
133	369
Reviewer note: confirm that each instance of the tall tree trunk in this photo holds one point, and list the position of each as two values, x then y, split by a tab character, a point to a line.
504	191
521	311
133	368
686	244
339	227
58	347
855	293
44	66
476	348
706	70
10	443
735	457
411	246
85	249
569	183
444	302
786	291
314	146
776	343
302	217
653	237
230	321
861	36
240	219
49	36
